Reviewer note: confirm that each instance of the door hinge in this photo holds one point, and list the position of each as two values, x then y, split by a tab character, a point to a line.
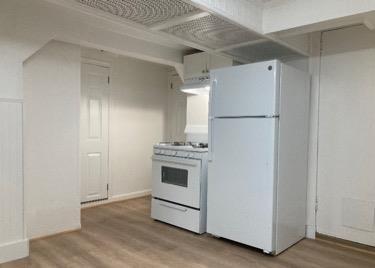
107	187
109	79
316	205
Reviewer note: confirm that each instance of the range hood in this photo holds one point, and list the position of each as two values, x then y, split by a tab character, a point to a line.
196	86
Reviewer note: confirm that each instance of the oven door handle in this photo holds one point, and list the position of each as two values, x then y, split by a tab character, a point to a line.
183	161
176	208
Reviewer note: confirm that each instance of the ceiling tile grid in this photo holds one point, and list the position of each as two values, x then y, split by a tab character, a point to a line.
212	32
207	31
145	12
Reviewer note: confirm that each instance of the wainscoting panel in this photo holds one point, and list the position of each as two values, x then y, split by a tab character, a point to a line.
11	181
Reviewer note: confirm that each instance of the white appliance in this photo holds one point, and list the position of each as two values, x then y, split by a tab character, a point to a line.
257	170
179	185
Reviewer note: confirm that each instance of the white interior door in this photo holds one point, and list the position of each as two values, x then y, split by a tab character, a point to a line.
94	132
241	180
346	184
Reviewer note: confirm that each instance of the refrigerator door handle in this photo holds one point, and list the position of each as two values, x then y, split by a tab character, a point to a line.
210	139
211	121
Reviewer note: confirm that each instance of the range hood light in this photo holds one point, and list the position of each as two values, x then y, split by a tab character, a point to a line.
197	90
201	87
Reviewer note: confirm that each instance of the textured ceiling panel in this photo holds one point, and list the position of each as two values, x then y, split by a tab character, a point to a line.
262	51
212	32
146	12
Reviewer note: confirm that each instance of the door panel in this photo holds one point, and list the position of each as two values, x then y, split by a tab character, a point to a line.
95	120
241	180
94	132
246	90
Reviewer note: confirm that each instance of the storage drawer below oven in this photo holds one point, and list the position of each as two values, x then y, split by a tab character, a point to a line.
177	215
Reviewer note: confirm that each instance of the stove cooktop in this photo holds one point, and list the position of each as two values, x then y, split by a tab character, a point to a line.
185	144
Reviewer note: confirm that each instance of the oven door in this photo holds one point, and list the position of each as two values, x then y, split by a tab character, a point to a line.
176	179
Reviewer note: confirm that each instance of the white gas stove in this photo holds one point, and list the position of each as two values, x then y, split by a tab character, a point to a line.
179	184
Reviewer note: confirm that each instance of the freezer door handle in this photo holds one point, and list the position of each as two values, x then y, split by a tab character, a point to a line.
211	97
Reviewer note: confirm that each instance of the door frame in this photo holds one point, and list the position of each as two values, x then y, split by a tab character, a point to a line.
100	63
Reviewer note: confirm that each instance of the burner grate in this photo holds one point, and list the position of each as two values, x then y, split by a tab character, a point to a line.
182	143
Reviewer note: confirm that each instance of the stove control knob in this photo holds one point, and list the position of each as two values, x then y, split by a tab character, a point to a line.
174	153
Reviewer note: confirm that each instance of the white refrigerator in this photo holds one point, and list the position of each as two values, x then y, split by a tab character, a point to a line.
258	140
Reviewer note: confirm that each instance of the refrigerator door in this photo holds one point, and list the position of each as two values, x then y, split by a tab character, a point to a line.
241	180
246	90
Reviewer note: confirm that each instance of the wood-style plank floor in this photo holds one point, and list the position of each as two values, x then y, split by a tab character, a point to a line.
123	235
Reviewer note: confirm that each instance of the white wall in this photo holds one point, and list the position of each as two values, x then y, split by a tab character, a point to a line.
346	184
197	118
138	120
51	139
176	109
279	15
25	27
314	69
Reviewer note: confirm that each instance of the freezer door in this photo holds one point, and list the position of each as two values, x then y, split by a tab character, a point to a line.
246	90
241	180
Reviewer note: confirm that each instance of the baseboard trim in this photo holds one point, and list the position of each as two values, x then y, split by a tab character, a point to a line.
14	250
345	243
310	231
117	198
58	233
